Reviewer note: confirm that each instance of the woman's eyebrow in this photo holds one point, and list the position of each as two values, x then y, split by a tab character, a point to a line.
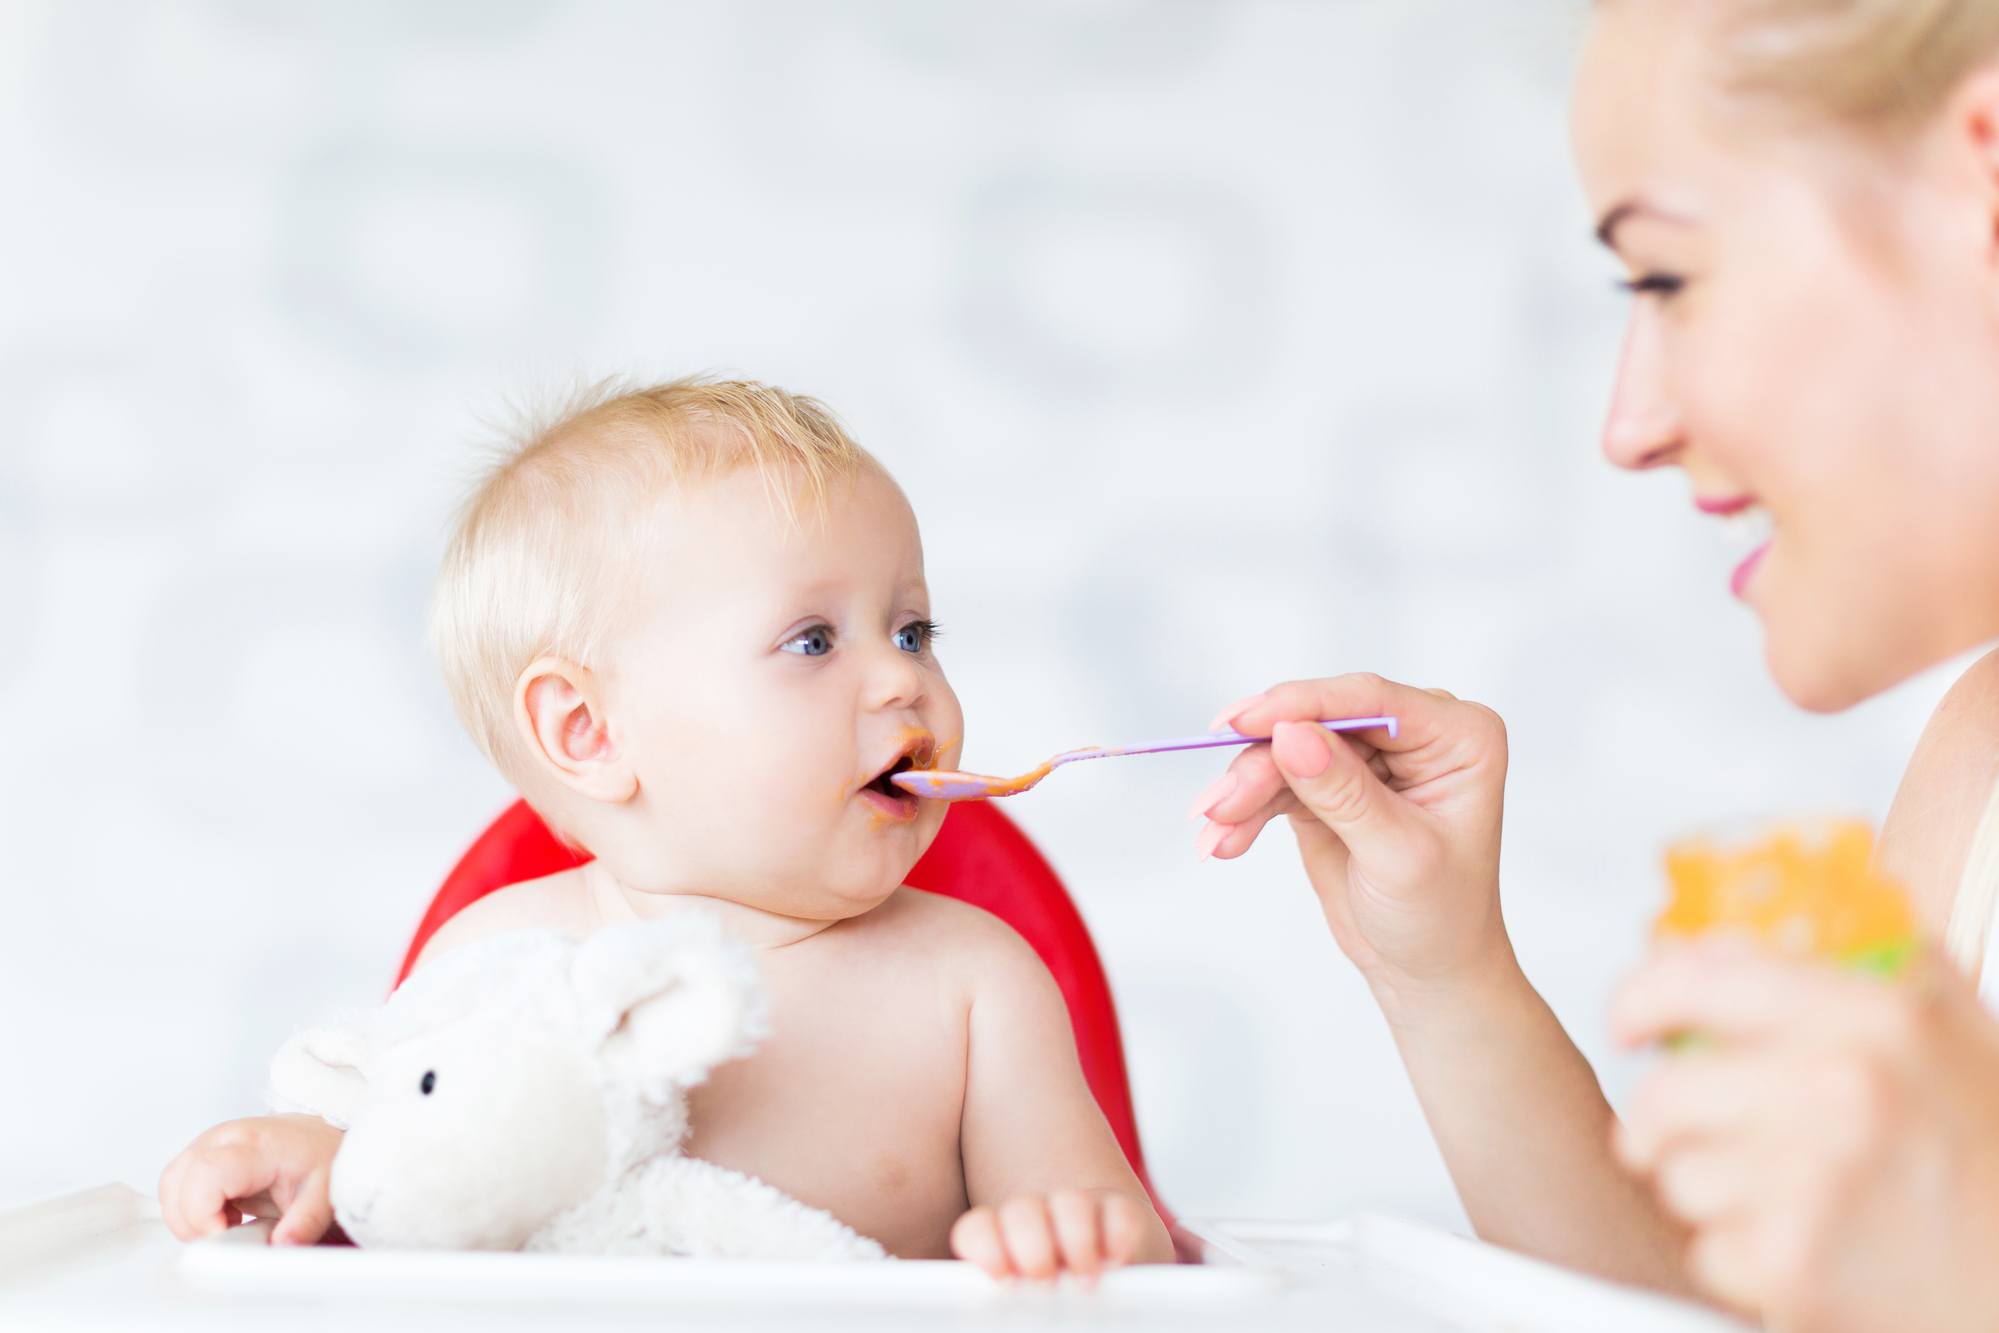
1606	229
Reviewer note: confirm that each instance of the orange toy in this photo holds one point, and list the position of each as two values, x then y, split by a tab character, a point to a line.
1810	893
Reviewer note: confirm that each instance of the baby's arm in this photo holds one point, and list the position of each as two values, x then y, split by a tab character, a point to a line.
1050	1188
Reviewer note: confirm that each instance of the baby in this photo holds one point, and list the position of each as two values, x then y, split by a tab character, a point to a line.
690	623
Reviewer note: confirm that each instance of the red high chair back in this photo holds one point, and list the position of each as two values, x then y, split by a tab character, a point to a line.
979	857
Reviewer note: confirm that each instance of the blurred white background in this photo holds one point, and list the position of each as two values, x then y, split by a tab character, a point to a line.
1215	343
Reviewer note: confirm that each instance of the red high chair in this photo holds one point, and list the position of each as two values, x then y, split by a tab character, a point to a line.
979	857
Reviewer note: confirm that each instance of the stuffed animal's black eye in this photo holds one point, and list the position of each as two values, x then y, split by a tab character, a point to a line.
429	1082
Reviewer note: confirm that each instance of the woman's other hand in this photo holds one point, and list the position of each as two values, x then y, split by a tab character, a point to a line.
1833	1142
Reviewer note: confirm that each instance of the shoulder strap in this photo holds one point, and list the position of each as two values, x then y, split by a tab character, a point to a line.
1970	940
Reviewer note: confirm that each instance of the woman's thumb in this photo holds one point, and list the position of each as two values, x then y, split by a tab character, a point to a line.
1333	783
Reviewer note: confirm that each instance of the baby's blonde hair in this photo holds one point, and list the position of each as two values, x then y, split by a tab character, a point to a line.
1876	64
542	552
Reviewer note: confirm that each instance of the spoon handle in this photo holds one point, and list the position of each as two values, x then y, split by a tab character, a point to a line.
1210	740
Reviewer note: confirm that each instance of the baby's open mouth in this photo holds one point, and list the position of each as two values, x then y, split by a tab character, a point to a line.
917	749
883	786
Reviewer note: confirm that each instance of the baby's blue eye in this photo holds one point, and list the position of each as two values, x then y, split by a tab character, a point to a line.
815	642
915	636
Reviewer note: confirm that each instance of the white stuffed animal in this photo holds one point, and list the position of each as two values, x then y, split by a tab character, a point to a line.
530	1092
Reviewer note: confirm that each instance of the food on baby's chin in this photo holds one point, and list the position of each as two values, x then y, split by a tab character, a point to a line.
1807	892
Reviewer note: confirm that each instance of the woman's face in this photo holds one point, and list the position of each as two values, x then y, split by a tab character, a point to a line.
1813	341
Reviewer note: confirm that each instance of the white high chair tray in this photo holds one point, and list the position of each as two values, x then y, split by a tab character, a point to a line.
103	1259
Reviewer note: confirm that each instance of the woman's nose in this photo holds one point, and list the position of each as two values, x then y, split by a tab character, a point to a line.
1644	428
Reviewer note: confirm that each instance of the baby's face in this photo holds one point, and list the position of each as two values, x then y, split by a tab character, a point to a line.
769	674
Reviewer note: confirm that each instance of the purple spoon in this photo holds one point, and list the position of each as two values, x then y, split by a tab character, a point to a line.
943	785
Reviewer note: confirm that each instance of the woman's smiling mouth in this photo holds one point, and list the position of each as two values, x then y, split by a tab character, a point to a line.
1745	524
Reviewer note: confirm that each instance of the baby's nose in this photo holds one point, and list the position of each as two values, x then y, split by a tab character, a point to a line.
895	682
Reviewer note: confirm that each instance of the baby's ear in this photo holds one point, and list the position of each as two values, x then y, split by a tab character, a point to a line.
560	712
668	1001
319	1072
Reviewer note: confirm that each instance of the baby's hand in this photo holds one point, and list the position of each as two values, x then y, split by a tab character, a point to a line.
1035	1236
271	1166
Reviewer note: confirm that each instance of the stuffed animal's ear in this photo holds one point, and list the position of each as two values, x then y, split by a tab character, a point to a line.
668	1001
319	1072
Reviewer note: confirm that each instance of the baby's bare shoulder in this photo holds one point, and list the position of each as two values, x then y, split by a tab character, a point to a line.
554	902
978	947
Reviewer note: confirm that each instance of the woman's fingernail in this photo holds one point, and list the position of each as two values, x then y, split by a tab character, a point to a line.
1234	710
1299	754
1212	794
1211	838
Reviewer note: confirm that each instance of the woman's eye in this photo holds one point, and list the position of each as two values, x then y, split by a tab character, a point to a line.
1653	284
915	636
815	642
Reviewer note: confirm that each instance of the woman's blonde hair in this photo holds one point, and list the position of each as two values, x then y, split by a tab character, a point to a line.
545	548
1884	64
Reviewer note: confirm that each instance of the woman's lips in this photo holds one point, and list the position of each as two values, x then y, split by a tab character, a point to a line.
1745	526
1738	582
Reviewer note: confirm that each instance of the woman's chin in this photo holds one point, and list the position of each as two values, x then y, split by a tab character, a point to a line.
1821	675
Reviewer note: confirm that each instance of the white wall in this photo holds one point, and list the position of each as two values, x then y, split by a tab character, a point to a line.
1215	344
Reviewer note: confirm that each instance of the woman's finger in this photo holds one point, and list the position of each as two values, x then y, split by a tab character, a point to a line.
1706	1182
1226	841
1698	1095
1251	782
1337	786
1422	717
1725	1261
1730	990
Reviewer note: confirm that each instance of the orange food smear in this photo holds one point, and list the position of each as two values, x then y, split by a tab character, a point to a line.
1813	895
1009	786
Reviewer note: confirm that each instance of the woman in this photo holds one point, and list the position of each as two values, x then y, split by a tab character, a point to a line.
1806	196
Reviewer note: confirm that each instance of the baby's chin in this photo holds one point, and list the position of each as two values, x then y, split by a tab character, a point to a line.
855	869
829	901
813	888
859	888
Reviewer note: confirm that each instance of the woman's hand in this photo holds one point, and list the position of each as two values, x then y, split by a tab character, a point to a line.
1827	1121
1400	838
